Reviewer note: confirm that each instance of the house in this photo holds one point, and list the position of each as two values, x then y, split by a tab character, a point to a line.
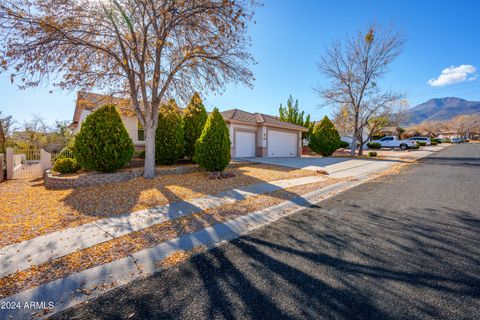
251	134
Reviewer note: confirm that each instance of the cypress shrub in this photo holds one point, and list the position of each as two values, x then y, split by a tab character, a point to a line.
169	143
325	138
103	143
194	120
212	150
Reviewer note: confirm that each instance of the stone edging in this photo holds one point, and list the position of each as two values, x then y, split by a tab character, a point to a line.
96	178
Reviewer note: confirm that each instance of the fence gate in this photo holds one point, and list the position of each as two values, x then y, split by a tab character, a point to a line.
26	163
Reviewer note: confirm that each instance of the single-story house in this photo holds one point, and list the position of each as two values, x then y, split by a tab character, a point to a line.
251	134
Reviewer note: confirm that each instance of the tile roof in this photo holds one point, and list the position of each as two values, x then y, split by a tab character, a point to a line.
259	119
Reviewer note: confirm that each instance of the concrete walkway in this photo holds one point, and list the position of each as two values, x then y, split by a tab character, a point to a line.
36	251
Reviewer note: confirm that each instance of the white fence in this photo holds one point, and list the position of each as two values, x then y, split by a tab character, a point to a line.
26	163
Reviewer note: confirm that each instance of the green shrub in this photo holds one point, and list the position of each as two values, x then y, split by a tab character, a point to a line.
344	144
324	138
169	143
374	145
141	154
436	140
194	119
421	143
433	143
447	140
372	154
66	165
416	146
212	150
103	143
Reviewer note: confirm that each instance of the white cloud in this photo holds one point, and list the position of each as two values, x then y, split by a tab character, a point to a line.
454	74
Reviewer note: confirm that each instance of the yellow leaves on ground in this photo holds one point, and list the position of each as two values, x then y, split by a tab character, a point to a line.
147	238
28	210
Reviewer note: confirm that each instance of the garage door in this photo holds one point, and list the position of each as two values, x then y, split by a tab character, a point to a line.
282	144
244	144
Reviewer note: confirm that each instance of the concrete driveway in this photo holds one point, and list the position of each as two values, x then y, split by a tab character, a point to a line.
336	167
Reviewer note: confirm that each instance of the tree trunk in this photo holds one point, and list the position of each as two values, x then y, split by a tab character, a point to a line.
355	135
149	167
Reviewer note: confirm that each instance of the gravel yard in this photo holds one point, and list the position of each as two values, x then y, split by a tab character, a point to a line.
146	238
28	210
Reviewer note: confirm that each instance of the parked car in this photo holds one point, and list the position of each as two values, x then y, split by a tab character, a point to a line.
458	140
394	142
421	139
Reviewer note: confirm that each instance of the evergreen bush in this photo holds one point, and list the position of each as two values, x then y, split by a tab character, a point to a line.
344	144
212	150
169	138
325	138
374	145
194	120
66	165
103	143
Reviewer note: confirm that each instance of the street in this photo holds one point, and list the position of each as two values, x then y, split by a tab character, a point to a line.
405	246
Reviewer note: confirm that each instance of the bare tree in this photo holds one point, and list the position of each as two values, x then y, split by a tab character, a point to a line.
353	69
147	50
465	124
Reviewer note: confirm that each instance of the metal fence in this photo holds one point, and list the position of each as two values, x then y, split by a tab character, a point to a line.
65	153
26	163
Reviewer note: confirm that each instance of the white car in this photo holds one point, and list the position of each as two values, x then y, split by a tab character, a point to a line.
394	142
421	139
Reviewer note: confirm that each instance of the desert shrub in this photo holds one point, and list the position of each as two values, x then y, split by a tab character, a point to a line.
344	144
169	143
103	143
374	145
416	146
447	141
194	119
421	143
66	165
372	154
212	150
324	138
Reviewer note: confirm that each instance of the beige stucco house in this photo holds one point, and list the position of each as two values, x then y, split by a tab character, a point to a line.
251	134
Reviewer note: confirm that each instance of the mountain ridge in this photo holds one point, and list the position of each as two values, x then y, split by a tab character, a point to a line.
441	109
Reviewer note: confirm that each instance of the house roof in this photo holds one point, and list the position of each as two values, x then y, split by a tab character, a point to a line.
240	116
92	101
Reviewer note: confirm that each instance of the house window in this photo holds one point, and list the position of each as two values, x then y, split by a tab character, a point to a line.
140	132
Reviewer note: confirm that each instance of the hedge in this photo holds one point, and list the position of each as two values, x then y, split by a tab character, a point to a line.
66	165
374	145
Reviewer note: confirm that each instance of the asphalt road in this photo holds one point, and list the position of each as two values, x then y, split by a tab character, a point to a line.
405	246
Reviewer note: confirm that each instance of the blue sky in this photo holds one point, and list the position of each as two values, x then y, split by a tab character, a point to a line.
290	36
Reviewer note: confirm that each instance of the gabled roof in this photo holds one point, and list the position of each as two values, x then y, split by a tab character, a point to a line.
236	115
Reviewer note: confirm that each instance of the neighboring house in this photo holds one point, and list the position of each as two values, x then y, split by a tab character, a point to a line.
251	134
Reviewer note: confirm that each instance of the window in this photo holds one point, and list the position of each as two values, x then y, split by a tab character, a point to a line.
386	139
140	132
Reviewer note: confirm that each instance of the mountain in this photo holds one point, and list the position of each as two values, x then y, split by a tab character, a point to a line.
442	109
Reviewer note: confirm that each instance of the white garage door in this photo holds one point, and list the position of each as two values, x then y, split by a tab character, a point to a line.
244	144
282	144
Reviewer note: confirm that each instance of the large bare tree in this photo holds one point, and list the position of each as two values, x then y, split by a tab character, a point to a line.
353	68
147	50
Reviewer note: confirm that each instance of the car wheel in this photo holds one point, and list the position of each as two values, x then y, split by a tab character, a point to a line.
403	147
